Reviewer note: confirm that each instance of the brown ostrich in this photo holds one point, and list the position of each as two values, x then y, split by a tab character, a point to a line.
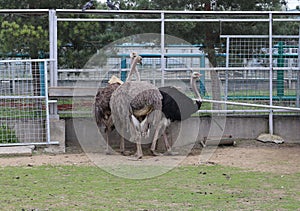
136	107
102	111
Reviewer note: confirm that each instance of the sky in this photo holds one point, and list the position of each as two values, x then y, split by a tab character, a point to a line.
291	3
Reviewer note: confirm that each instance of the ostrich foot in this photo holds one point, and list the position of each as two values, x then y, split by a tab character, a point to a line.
125	153
136	158
171	153
109	152
154	153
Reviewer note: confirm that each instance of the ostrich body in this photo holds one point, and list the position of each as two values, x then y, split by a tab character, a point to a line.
102	111
136	107
176	106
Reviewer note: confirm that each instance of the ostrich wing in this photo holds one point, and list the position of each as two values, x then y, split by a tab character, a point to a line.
102	109
133	96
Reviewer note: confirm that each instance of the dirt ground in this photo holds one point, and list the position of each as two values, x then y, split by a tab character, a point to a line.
250	155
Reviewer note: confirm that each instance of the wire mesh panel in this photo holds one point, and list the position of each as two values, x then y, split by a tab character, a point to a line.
24	115
246	76
178	66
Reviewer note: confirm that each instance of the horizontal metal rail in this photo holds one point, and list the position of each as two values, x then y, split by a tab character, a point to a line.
110	19
26	60
22	97
32	143
243	111
174	12
25	11
252	105
259	36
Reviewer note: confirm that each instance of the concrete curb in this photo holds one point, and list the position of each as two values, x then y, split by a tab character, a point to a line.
17	150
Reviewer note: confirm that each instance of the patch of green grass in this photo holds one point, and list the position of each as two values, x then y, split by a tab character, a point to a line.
183	188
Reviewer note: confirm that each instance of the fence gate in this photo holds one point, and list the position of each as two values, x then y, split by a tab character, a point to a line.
24	116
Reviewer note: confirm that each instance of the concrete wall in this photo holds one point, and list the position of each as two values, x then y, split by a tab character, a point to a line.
288	127
26	130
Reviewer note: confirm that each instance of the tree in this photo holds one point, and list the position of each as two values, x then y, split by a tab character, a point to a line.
79	40
23	39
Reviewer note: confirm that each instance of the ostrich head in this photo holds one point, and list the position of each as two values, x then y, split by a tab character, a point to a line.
196	75
114	80
135	55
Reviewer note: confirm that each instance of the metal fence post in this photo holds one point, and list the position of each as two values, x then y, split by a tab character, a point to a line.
280	73
271	72
123	69
298	76
202	77
162	47
53	57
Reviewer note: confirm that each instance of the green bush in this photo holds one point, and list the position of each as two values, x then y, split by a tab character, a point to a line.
7	135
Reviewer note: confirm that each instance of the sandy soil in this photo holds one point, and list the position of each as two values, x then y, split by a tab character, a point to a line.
251	155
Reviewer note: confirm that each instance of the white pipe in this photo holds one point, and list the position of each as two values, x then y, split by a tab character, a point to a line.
219	20
259	36
243	111
109	19
21	97
271	72
171	12
252	105
27	144
26	60
162	49
47	104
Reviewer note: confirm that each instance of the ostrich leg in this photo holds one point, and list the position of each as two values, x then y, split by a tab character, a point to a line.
162	124
107	151
122	145
139	151
168	147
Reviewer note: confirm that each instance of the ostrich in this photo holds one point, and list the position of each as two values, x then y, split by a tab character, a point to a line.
176	106
102	111
136	106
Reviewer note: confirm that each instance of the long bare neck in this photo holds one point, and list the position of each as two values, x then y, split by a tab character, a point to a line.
195	88
133	70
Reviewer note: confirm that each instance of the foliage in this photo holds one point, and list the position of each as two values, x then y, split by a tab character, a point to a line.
79	40
7	135
23	39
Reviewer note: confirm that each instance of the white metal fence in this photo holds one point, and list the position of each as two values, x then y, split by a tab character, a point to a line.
259	73
24	111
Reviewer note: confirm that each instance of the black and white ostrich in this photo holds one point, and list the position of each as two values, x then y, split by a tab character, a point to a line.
176	106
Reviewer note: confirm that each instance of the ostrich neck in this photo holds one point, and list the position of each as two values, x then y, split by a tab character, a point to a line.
133	70
195	89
